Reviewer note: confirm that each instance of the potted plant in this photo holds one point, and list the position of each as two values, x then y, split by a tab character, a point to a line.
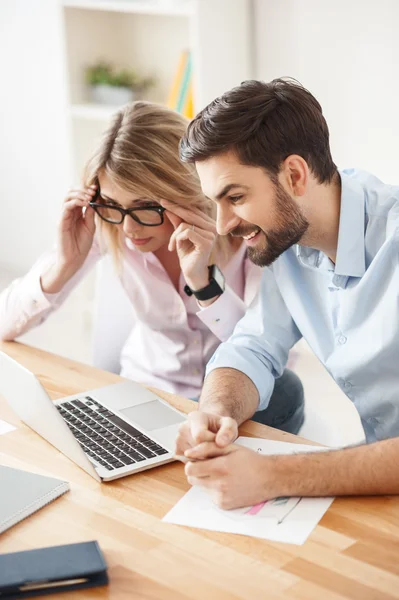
109	85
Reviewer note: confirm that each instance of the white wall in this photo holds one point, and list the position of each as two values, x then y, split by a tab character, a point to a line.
33	142
221	37
346	53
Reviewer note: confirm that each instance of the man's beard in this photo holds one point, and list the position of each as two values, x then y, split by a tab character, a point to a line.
291	225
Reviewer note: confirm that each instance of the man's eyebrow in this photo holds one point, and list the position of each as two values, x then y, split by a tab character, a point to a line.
227	188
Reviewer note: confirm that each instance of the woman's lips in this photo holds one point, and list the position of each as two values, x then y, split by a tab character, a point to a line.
140	241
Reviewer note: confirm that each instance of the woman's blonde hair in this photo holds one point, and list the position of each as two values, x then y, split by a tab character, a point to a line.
140	152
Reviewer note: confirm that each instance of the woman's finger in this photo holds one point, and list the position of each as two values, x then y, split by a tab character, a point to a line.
186	226
86	193
74	203
89	218
192	216
73	210
79	194
178	230
90	189
191	240
174	219
172	239
200	238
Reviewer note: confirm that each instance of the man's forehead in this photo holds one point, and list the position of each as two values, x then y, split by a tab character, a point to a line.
215	176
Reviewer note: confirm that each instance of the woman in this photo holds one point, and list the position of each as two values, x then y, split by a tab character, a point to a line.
165	243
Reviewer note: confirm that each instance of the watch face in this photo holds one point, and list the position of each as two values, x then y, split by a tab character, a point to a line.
218	277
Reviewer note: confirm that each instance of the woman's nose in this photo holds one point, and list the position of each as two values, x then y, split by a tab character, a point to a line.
130	226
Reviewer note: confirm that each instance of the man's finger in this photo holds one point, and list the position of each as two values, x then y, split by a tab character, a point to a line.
207	450
199	470
212	467
204	436
205	482
184	439
228	431
199	427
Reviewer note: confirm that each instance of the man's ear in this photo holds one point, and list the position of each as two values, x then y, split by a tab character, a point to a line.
295	171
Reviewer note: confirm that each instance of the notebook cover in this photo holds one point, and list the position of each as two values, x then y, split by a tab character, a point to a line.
53	564
23	493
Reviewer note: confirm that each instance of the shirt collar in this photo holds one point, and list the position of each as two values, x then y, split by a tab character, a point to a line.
351	254
351	261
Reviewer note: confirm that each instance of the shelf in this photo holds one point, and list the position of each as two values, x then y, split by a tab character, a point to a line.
179	8
93	112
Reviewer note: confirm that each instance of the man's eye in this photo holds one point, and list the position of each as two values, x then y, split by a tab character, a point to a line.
236	198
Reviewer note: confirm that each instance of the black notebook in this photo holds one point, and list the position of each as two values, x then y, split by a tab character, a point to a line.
49	570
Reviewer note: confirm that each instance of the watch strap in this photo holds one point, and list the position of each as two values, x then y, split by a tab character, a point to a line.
211	290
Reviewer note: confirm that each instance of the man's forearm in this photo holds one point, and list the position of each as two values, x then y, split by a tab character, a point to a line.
364	470
230	393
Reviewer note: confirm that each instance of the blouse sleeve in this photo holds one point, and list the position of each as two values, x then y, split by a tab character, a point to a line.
24	305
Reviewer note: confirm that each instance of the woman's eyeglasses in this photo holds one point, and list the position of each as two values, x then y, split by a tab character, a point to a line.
150	216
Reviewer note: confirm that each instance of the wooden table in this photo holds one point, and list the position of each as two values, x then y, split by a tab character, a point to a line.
353	553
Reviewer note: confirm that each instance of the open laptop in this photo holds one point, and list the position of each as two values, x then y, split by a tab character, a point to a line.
110	432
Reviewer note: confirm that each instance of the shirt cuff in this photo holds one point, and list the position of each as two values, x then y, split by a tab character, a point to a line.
36	301
222	315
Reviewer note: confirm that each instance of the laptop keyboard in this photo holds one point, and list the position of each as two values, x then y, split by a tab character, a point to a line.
105	437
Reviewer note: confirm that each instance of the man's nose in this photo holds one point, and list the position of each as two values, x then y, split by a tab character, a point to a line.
226	221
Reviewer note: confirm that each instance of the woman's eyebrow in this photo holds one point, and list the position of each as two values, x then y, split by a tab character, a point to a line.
144	200
132	203
107	198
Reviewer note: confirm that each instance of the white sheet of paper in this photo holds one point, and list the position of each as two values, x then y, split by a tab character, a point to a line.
5	427
288	520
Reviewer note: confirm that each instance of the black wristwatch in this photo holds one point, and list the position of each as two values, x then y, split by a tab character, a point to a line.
214	288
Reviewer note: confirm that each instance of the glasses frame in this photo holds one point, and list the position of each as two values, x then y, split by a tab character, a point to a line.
127	212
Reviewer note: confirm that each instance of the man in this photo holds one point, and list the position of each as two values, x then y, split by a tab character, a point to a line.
329	242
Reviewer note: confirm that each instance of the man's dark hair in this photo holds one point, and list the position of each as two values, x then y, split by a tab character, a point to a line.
263	123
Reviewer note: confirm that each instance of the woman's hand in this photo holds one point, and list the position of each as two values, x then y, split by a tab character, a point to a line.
75	238
194	239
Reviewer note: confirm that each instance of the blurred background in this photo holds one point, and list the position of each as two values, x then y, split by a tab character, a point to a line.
66	64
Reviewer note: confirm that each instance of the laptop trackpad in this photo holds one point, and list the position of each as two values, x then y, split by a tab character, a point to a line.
152	415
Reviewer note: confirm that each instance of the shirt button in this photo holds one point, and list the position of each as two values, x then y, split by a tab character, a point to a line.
347	385
342	339
196	371
215	320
